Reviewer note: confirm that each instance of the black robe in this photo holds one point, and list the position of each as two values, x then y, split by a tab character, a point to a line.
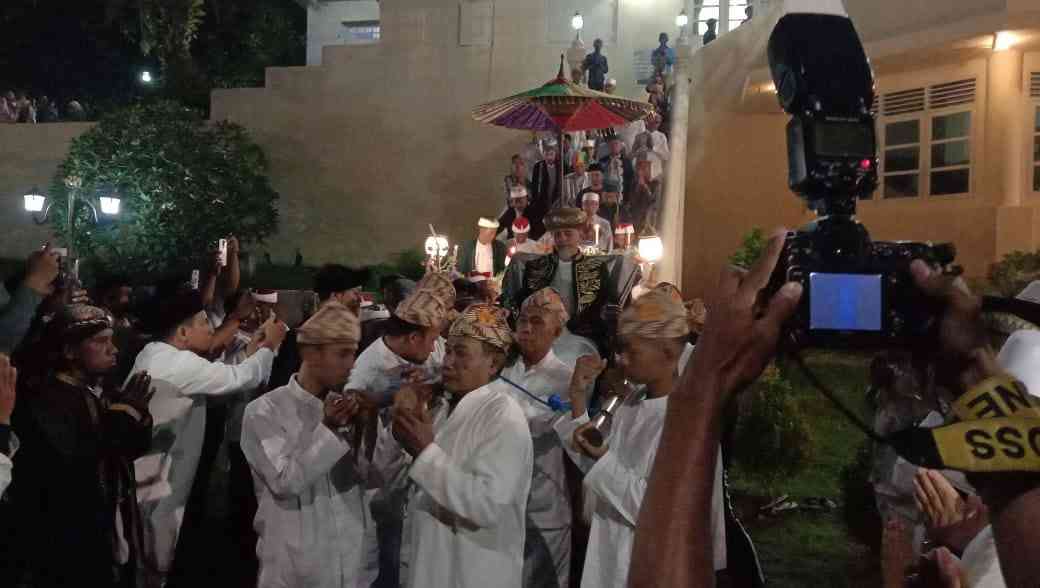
73	470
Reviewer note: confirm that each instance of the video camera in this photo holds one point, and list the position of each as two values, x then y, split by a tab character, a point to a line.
857	293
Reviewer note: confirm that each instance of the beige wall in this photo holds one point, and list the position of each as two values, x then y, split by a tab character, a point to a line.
29	156
737	177
378	141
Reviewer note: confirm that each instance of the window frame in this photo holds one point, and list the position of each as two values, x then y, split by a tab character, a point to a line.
883	147
925	169
1034	157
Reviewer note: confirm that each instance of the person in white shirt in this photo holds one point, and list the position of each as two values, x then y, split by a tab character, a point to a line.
597	231
183	381
536	381
653	333
655	144
410	352
313	517
472	479
485	255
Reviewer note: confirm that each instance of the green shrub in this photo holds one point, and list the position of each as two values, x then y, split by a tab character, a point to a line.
1013	273
750	250
184	183
772	440
859	508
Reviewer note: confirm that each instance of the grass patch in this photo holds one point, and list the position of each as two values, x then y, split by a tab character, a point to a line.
812	548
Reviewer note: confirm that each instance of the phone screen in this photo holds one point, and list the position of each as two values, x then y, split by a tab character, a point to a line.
845	302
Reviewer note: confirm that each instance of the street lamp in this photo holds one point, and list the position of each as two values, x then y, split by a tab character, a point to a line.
577	23
146	77
681	21
34	200
35	203
651	249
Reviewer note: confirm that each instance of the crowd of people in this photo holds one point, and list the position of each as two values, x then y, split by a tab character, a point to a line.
20	107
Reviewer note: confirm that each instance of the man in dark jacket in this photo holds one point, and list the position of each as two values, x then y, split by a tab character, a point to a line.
74	475
546	187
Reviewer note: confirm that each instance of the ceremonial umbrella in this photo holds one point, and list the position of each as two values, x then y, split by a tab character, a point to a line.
561	106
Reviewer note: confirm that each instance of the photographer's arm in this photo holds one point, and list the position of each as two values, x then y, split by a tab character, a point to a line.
673	546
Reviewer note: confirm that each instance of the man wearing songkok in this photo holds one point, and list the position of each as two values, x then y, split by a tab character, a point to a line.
595	182
313	518
485	255
654	143
410	353
546	187
331	282
610	202
576	181
653	333
617	165
183	382
538	382
522	243
472	477
596	231
518	202
642	203
584	282
74	486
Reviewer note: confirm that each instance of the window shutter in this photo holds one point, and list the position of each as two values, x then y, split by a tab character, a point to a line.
903	102
1034	84
951	94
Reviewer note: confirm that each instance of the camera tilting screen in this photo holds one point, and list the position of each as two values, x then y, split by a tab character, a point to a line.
845	302
844	139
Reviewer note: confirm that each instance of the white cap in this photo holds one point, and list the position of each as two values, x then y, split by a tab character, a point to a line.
1020	356
487	223
266	296
518	192
590	197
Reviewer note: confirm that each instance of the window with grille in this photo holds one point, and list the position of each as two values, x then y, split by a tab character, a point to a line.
1034	92
1036	150
363	31
736	13
925	140
704	10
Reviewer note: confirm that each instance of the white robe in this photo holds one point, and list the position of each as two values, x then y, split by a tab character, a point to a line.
466	514
313	521
182	382
378	371
549	505
617	483
378	374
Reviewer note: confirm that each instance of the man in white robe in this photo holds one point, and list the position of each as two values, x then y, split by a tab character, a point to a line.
183	380
313	519
410	352
538	381
653	333
472	479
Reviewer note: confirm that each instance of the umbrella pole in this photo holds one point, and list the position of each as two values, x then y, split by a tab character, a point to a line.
562	163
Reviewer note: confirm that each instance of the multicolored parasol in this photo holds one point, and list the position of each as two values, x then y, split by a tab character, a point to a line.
561	106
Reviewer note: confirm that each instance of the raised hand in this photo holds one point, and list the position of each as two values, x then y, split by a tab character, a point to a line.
8	386
586	370
138	393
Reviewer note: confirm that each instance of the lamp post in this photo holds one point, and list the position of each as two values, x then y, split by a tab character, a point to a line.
681	21
651	249
37	203
437	249
576	53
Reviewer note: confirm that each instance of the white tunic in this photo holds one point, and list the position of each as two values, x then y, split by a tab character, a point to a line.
312	519
484	258
378	371
549	506
182	382
618	482
466	515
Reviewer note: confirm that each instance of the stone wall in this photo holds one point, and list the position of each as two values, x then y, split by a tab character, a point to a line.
376	143
29	156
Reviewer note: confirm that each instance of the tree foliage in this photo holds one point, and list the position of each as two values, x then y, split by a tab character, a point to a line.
772	440
184	183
